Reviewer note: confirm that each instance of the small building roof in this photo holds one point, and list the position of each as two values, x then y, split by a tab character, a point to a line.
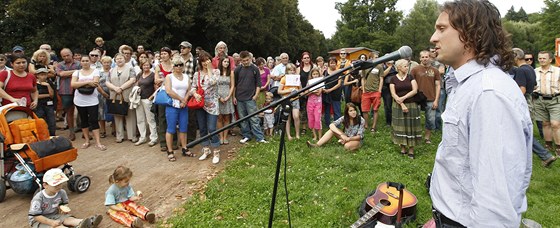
351	50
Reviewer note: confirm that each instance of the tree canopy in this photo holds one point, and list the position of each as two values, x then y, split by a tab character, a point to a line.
262	27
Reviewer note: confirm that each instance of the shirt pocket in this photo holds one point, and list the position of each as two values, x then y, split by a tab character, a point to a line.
450	135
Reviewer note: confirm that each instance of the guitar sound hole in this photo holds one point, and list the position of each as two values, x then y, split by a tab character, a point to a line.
385	202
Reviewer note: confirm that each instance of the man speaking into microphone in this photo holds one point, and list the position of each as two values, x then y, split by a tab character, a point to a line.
483	164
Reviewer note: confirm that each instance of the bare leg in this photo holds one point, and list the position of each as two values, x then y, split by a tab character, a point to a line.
85	132
547	131
295	114
352	145
320	133
314	134
328	135
288	123
366	117
182	139
428	134
102	128
169	141
375	116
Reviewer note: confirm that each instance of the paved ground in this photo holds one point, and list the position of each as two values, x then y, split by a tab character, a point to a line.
165	185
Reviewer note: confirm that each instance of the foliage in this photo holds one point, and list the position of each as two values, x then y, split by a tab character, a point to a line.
549	29
520	15
326	185
418	27
524	35
263	27
363	21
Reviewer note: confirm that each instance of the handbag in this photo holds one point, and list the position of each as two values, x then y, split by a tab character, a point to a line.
197	104
356	94
117	107
162	98
86	90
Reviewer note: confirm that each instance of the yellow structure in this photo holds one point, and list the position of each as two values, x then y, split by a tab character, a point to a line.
353	52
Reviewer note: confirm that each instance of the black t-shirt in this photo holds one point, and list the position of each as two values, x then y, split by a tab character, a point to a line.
525	76
247	79
44	90
335	95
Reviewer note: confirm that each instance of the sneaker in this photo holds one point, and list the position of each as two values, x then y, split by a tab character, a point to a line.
151	217
244	140
216	158
140	142
546	163
152	143
205	152
262	141
85	223
95	220
137	223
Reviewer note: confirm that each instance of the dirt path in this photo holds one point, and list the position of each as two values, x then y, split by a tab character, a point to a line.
165	185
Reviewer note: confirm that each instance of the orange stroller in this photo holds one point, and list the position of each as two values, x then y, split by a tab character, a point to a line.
26	148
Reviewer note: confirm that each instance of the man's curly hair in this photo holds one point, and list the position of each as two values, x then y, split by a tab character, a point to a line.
480	29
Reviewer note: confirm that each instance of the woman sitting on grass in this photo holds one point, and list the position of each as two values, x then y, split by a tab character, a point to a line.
353	133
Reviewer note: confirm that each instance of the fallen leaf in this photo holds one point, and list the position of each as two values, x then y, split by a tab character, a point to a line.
345	189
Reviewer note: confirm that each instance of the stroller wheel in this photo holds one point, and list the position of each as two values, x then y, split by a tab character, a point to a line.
82	184
2	189
72	181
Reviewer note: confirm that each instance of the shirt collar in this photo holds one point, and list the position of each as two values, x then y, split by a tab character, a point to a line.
472	67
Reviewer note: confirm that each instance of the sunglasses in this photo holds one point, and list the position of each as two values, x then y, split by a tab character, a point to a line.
179	65
528	59
343	53
94	55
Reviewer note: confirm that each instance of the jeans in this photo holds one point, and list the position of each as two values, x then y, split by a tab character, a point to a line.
253	126
207	124
47	112
540	151
430	116
441	107
176	116
336	110
387	104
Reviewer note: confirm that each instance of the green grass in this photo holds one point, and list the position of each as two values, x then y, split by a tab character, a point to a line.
326	185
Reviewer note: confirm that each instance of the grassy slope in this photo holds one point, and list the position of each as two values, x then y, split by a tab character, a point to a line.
326	185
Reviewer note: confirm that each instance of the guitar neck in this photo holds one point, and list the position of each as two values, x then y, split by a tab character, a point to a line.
374	210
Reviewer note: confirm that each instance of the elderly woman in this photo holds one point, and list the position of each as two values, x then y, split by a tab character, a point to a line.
207	117
120	85
145	80
177	87
353	134
87	102
18	85
407	130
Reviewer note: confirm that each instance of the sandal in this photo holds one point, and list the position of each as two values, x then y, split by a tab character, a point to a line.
171	156
101	147
163	149
102	135
411	156
403	152
85	145
427	141
187	153
225	142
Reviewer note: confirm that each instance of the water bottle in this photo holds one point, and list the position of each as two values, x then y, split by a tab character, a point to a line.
22	101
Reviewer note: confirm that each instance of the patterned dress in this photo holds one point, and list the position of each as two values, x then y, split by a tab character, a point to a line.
223	92
209	84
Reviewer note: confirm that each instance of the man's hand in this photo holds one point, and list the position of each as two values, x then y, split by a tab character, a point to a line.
434	105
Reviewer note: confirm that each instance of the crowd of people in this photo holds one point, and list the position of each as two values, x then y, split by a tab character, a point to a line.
231	87
487	127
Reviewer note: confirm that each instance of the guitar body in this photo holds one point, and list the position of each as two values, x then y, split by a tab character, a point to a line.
389	198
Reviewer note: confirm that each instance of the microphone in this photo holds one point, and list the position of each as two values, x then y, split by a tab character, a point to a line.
403	52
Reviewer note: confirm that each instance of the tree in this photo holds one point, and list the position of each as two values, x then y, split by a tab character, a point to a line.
363	20
549	22
418	27
522	15
523	34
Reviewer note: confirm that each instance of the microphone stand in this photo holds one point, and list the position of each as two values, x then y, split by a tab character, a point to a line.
286	110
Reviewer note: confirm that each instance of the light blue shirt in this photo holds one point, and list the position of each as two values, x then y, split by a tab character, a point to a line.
115	195
279	69
483	164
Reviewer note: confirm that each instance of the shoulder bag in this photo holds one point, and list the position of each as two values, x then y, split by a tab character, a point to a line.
162	98
86	89
197	104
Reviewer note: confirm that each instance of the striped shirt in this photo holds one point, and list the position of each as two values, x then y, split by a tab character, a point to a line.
64	87
548	82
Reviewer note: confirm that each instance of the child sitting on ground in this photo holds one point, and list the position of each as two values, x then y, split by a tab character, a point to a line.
49	207
121	200
268	114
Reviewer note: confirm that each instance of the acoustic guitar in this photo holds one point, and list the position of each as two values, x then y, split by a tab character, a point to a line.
384	205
